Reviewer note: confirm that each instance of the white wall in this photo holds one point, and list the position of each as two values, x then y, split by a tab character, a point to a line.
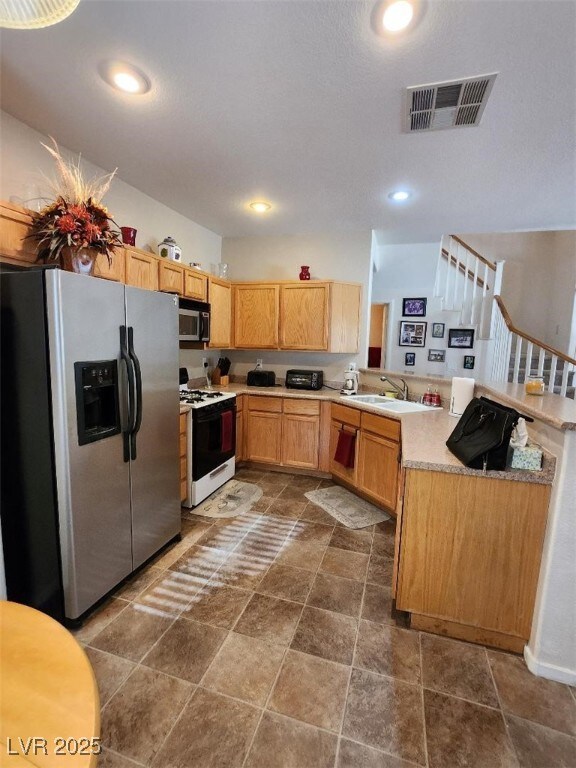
538	282
344	256
409	271
24	164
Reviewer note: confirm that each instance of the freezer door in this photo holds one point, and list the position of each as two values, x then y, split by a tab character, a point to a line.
93	483
155	470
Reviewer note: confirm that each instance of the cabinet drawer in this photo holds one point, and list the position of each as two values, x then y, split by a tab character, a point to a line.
182	445
269	404
380	425
183	468
239	403
183	420
301	407
182	490
347	415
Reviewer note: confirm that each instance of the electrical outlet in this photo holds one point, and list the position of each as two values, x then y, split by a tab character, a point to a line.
259	363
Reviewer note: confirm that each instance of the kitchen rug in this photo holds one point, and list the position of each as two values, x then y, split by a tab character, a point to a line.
347	508
233	499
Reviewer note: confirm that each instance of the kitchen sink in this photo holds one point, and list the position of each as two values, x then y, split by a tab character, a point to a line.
392	404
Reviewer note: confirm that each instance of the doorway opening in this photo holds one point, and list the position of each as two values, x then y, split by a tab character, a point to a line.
377	336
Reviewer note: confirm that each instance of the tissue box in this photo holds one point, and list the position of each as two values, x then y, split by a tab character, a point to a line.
528	457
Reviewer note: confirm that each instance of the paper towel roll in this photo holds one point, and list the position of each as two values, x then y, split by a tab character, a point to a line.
462	393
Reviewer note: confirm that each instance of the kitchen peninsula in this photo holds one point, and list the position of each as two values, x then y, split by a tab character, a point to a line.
468	544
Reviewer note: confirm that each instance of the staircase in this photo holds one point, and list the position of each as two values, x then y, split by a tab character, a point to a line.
469	285
466	283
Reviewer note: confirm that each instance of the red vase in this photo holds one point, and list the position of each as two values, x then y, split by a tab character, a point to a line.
304	273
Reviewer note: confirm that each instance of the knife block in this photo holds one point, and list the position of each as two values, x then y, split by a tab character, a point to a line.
217	378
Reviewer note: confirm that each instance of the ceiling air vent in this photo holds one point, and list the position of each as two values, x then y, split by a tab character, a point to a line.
453	104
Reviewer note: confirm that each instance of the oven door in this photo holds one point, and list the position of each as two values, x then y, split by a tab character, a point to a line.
213	437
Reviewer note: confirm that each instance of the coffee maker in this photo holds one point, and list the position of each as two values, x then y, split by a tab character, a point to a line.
350	380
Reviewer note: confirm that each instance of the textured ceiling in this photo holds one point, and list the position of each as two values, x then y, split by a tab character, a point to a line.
299	102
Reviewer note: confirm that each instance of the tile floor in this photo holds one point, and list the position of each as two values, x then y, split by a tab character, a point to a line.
267	642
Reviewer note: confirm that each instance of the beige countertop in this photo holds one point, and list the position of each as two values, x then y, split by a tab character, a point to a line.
424	435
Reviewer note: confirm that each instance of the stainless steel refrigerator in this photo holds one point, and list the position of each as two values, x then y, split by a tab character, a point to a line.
90	454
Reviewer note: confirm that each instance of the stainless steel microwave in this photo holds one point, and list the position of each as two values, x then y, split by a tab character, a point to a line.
193	321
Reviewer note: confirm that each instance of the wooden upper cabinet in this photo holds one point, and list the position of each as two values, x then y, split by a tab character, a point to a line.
141	269
14	226
220	298
115	269
170	277
256	315
304	310
345	302
195	285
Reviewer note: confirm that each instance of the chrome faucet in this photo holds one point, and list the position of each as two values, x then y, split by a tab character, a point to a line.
402	391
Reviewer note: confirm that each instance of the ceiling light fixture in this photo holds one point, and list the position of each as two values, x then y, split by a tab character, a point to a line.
399	196
15	14
397	15
125	77
260	207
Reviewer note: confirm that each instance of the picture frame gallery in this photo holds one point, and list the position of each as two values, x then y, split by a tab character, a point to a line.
412	334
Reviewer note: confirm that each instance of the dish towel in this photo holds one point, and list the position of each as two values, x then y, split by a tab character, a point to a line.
345	449
226	423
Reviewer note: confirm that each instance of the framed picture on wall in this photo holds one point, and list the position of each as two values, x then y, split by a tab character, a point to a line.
461	338
410	358
469	362
436	355
414	307
438	330
412	334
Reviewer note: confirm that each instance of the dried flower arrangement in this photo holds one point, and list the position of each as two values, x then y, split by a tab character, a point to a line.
77	219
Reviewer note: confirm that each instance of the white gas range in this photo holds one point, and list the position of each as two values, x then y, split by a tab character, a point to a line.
211	441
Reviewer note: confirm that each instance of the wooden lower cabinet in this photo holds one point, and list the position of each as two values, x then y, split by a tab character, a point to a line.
264	437
183	454
378	465
239	428
283	431
470	550
348	420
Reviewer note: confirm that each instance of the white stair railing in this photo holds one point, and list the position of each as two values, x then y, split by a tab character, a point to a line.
517	355
466	282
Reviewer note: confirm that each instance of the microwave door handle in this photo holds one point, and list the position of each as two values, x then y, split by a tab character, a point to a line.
138	377
127	433
205	334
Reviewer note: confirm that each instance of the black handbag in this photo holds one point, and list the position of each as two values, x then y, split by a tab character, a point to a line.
482	436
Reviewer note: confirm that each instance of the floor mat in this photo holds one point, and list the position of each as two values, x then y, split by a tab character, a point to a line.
347	508
233	499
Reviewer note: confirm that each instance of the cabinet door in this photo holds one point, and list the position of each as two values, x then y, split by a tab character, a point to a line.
378	468
256	316
170	277
195	285
300	435
14	227
344	473
113	270
345	306
304	316
264	437
239	430
220	297
141	269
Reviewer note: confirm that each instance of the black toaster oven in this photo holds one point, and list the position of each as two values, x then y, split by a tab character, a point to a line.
260	378
296	379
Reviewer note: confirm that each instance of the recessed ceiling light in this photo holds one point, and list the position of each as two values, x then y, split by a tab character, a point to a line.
125	77
397	15
399	196
260	206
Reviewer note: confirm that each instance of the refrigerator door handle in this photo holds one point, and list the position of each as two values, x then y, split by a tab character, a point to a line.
138	374
126	434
